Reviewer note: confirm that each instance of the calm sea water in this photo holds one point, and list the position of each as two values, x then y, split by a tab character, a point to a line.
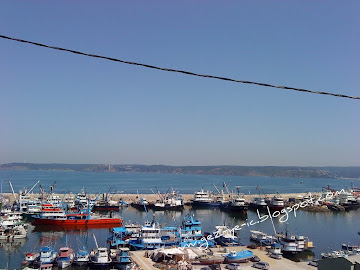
131	183
327	230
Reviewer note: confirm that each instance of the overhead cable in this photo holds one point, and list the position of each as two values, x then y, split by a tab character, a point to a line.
179	71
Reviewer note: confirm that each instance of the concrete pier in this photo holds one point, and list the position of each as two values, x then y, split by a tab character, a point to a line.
275	264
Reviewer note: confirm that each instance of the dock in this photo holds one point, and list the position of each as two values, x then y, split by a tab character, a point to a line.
275	264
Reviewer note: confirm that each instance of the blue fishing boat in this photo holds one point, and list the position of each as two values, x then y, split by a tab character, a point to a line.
191	234
120	237
240	256
82	257
122	259
47	255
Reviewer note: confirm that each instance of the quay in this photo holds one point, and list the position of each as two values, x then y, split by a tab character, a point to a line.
147	264
153	197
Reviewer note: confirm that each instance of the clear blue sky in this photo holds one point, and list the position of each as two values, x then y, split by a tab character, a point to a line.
65	108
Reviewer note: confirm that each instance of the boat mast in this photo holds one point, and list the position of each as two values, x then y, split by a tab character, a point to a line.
32	187
97	247
12	189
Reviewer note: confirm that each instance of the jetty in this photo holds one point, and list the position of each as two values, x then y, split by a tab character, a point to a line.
145	262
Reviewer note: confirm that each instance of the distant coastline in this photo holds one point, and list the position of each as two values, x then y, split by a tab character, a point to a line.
263	171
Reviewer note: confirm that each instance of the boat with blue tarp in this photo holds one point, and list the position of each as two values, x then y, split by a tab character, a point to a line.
239	256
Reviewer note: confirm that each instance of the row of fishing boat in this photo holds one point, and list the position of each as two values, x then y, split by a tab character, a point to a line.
66	257
12	227
346	250
51	210
282	243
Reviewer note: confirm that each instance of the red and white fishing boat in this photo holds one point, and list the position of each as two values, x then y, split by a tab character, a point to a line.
57	216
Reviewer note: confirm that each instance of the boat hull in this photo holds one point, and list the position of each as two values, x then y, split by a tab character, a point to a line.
209	261
106	208
83	222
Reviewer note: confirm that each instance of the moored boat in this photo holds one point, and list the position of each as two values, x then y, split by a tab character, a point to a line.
86	219
276	203
65	258
47	255
101	258
82	257
122	258
258	236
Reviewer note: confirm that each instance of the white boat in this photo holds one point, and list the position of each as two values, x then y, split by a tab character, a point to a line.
289	244
47	266
47	255
65	258
82	257
13	233
258	203
30	258
101	257
276	203
275	251
10	219
202	198
258	236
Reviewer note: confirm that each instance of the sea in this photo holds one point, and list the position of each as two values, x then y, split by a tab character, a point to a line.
327	230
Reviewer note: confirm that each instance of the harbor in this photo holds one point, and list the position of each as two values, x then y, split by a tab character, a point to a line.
219	224
147	264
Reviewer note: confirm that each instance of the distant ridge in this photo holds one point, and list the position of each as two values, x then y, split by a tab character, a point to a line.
270	171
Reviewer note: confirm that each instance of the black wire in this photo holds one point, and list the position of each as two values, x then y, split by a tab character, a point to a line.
180	71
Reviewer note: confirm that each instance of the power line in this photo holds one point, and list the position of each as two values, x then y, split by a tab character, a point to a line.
179	71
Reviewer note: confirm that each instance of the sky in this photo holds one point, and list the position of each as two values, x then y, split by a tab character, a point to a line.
57	107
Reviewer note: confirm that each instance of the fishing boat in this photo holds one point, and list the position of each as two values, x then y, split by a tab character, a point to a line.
349	247
191	234
101	258
289	244
82	257
202	198
59	217
10	219
150	237
238	257
169	201
257	236
258	203
14	233
65	258
47	266
122	258
238	204
225	236
276	203
275	251
30	258
105	203
141	204
47	255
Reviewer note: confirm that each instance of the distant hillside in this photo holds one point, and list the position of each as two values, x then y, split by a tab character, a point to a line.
271	171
